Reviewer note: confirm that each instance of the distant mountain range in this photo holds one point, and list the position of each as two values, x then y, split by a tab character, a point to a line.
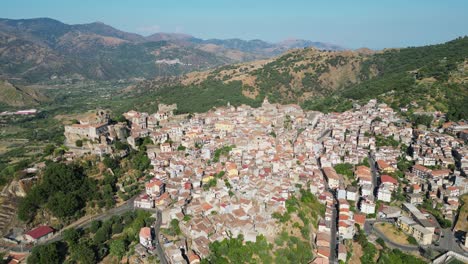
44	49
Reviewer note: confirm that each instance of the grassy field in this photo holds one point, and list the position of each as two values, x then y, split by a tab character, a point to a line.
357	254
393	233
462	223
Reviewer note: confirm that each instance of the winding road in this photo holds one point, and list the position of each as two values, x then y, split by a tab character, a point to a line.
86	222
446	244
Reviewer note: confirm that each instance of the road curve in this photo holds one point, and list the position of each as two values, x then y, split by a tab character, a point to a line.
83	223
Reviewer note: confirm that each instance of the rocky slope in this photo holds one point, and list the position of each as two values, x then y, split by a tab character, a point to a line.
15	96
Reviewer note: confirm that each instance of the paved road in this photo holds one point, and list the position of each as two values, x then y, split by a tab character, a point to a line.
159	249
393	244
375	173
80	223
369	229
333	237
83	223
369	224
447	243
333	227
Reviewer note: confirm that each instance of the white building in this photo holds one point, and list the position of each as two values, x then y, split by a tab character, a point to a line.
384	194
367	207
145	237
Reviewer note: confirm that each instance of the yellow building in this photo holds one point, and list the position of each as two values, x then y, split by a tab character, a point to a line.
422	235
406	224
231	169
224	126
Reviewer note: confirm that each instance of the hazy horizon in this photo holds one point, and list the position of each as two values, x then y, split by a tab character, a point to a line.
375	25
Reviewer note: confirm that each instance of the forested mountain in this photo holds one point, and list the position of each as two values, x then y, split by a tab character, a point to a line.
429	78
43	49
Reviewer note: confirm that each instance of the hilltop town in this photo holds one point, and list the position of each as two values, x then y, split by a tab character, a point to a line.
235	170
208	133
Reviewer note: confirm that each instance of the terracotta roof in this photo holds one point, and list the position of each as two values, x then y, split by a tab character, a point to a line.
145	232
382	164
39	232
192	257
206	206
389	179
321	260
439	173
324	251
343	217
421	168
154	182
360	218
343	224
330	173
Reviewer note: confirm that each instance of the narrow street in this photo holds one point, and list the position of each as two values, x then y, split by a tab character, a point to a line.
333	244
375	173
333	224
159	249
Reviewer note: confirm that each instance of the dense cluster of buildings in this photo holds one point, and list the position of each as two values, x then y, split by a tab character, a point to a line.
225	172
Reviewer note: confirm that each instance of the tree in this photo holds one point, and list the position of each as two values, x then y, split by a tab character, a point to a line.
102	235
175	226
412	240
117	228
110	162
45	254
141	161
63	189
345	169
118	247
234	250
49	149
95	225
181	148
27	209
79	143
71	236
381	242
83	253
119	145
64	205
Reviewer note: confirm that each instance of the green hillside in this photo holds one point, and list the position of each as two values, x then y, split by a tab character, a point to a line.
14	96
432	77
429	78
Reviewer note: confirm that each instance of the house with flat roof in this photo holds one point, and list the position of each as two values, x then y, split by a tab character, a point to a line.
422	235
406	224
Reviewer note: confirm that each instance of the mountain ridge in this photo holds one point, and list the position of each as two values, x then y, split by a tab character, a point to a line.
44	49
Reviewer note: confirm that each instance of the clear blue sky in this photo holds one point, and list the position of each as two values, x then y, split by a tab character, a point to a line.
351	23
